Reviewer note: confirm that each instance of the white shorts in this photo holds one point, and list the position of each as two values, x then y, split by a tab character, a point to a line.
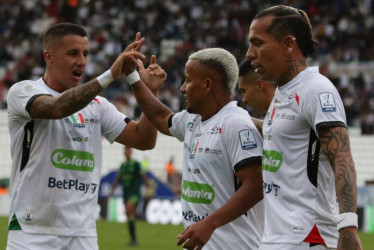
18	240
302	246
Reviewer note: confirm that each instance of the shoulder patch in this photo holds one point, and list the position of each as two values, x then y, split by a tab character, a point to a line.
29	87
327	102
247	139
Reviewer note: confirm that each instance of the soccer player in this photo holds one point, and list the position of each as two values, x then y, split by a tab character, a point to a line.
255	92
309	174
221	157
131	175
56	127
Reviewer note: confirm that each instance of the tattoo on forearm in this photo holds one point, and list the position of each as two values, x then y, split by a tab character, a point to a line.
335	144
349	240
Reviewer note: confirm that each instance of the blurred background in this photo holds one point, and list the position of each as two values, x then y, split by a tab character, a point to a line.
173	29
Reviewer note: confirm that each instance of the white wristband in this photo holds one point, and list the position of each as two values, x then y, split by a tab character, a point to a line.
105	78
347	220
133	77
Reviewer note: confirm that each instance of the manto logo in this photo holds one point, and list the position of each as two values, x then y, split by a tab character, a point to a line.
197	193
271	160
73	160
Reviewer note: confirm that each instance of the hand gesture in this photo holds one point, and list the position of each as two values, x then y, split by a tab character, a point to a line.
127	60
154	76
196	235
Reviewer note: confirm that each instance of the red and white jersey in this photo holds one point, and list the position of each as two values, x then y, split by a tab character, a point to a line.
56	166
212	150
299	183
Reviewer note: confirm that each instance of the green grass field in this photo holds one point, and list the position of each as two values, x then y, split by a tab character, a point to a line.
114	236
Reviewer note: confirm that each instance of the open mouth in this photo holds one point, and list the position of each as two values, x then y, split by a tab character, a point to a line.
77	74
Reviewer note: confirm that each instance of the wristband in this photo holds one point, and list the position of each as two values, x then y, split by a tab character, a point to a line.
105	78
133	77
347	220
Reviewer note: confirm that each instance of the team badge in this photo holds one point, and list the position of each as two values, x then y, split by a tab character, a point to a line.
327	102
247	139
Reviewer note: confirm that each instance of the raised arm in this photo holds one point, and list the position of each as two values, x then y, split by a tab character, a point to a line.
154	109
74	99
336	146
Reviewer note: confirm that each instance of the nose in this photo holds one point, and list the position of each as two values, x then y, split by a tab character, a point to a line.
183	88
243	99
82	59
250	53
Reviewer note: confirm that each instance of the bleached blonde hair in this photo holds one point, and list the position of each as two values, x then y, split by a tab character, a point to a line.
223	62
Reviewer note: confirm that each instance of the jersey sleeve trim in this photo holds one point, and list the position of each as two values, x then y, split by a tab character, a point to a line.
31	100
246	162
330	125
170	121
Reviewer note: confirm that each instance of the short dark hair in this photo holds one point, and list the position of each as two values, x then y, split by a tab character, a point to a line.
245	67
291	21
58	31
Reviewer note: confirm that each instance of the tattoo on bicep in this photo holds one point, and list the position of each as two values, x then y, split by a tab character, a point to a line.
335	144
67	103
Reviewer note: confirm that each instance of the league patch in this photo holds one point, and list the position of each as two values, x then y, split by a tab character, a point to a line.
29	87
247	139
327	102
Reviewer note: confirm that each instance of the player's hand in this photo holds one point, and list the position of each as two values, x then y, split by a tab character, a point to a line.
195	236
126	62
154	76
348	239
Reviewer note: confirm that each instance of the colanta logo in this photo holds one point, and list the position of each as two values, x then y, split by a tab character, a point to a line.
73	160
271	160
197	193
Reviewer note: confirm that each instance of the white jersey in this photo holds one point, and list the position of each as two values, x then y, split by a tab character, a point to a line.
57	163
299	183
212	150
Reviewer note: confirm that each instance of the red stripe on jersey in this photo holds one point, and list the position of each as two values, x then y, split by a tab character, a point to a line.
314	236
81	117
297	98
97	100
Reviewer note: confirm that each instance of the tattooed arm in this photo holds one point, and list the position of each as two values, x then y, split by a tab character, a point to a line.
336	146
69	102
76	98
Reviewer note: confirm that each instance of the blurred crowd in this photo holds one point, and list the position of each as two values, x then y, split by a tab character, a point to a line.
175	28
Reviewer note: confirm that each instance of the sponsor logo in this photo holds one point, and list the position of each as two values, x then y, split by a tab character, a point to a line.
27	216
78	120
77	139
191	216
285	116
73	160
271	187
194	170
72	185
268	137
213	151
327	102
190	125
271	160
247	139
197	192
215	130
